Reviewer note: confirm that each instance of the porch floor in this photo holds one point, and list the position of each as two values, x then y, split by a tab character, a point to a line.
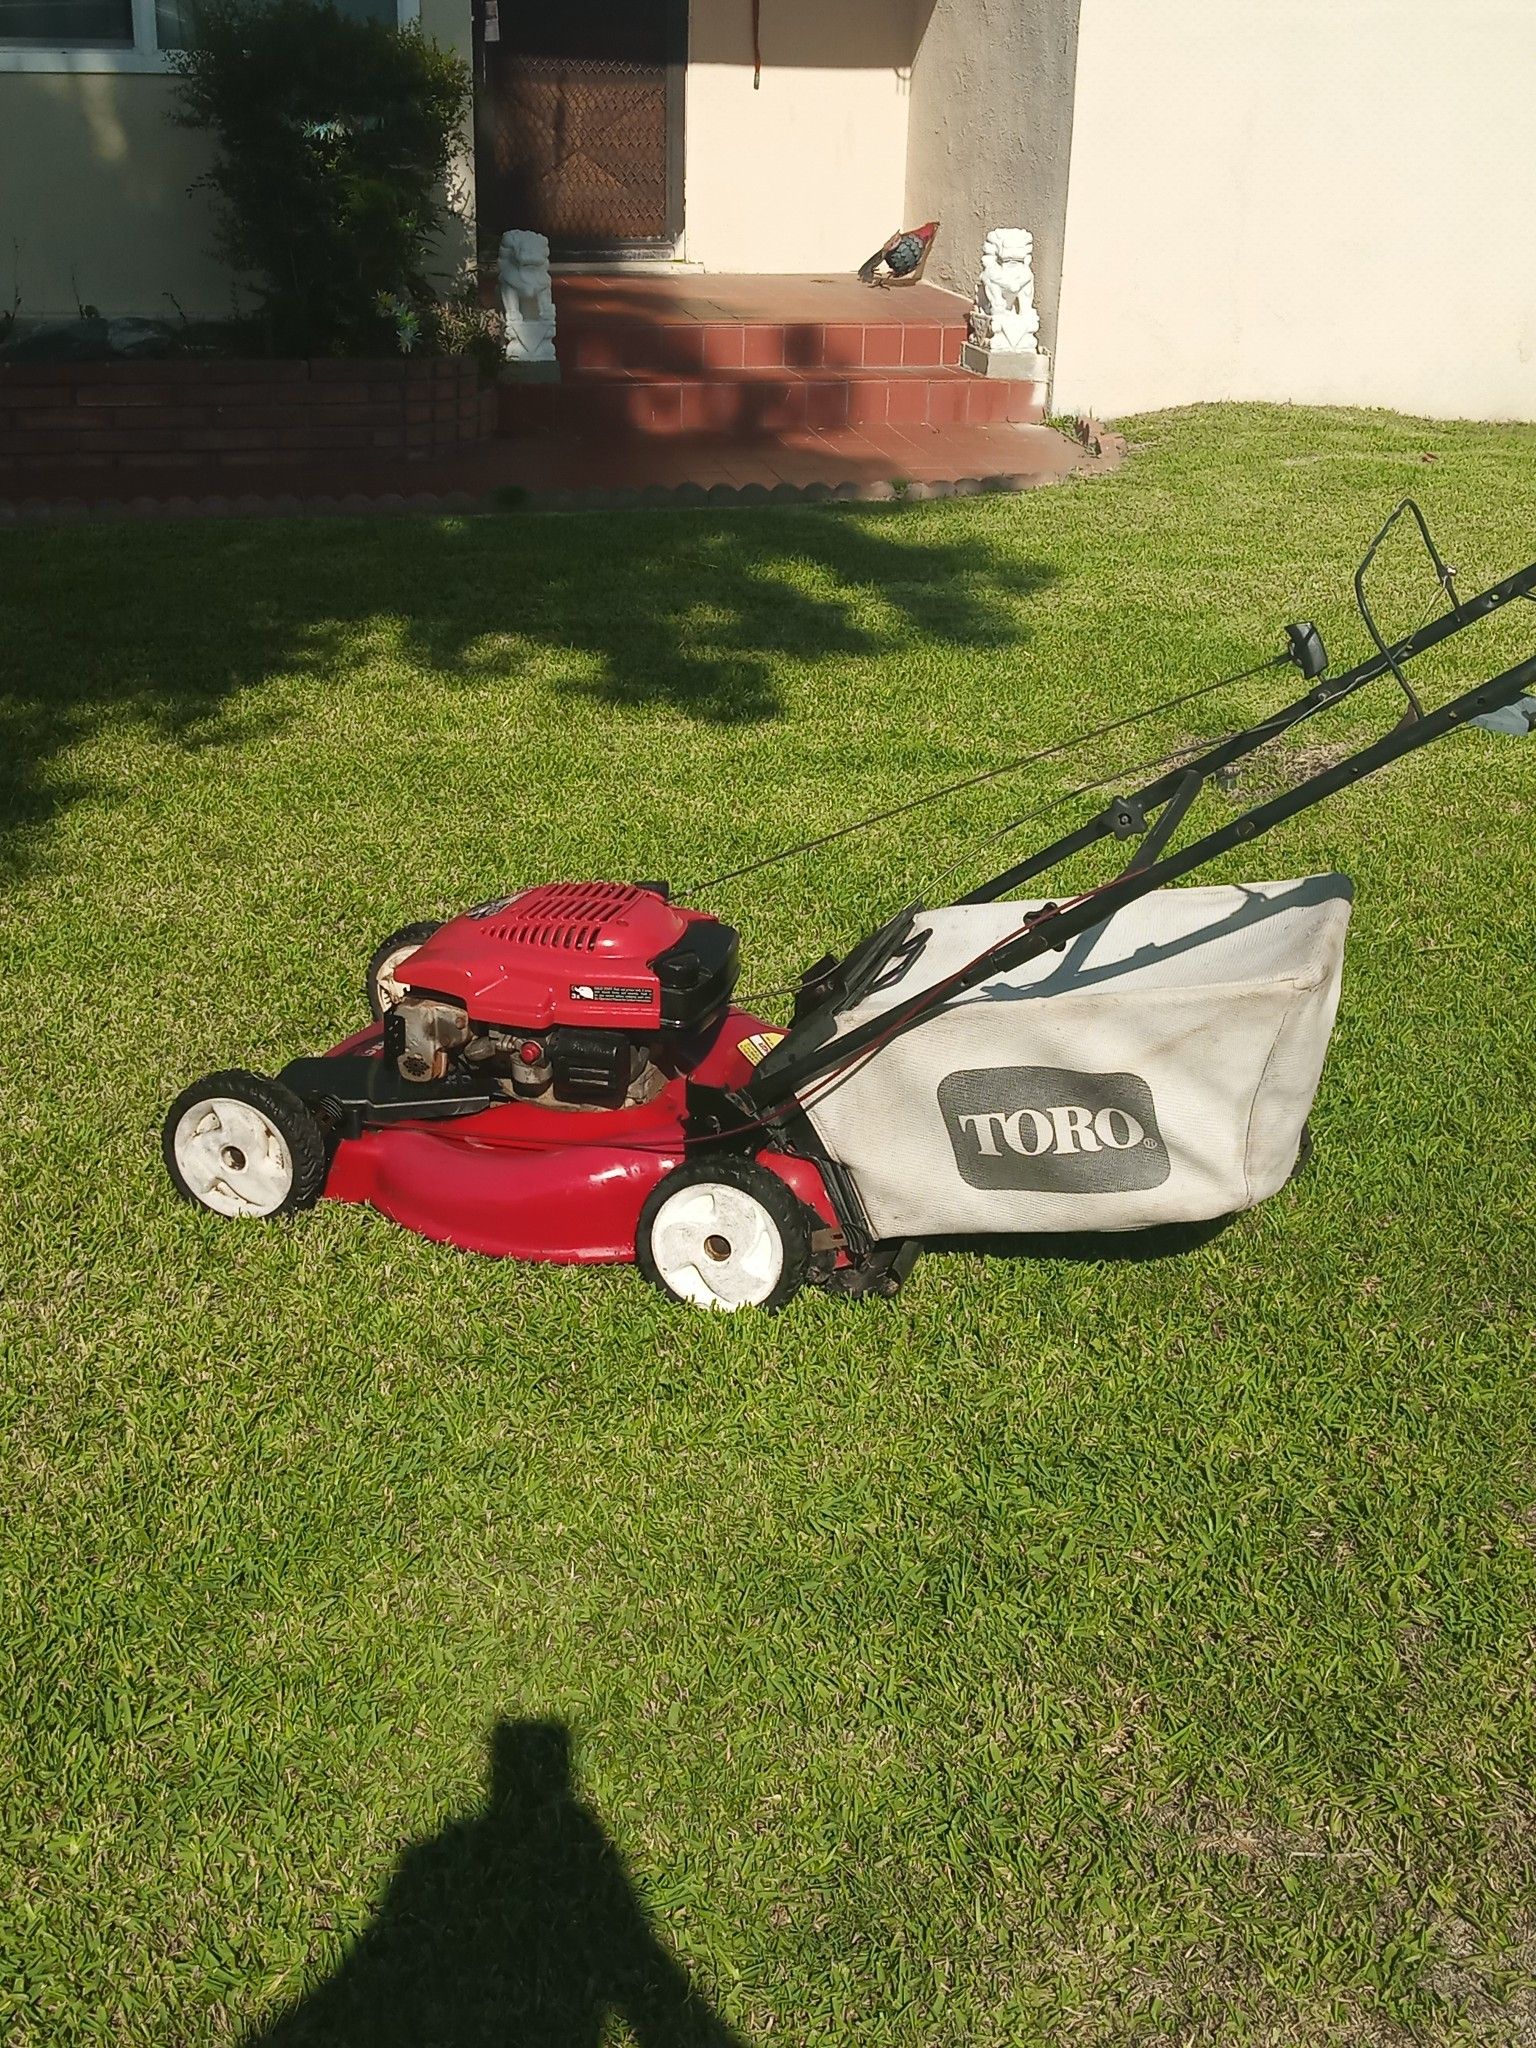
748	295
724	298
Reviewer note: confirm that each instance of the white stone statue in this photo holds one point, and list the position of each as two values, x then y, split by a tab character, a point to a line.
1004	318
527	299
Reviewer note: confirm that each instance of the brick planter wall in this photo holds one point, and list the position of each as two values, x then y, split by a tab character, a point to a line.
236	416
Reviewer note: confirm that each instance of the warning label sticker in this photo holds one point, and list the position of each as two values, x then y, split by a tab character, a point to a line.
759	1045
608	992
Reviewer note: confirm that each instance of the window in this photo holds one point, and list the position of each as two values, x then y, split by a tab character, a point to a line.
122	35
66	21
172	16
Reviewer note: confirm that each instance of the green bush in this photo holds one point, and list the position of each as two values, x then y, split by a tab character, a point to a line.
468	322
334	138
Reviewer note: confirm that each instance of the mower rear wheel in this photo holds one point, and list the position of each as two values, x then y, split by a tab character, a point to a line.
389	956
724	1233
241	1145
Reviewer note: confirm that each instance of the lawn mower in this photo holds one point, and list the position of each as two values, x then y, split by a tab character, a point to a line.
562	1073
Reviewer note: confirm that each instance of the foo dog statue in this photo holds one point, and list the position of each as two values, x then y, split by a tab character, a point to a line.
527	299
1004	317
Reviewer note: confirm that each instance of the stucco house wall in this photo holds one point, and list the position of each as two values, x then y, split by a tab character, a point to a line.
1305	201
989	134
94	201
804	173
94	197
1296	201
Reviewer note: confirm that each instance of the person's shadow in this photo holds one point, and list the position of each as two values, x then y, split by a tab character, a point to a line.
515	1928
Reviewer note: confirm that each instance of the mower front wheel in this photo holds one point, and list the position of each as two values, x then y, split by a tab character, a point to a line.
389	956
241	1145
724	1233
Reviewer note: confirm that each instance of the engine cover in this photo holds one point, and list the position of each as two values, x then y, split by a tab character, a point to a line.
610	956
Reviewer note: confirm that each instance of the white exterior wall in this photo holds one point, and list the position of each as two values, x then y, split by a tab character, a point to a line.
1319	201
807	172
990	132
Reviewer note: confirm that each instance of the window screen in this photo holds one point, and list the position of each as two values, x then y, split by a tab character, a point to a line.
66	21
173	18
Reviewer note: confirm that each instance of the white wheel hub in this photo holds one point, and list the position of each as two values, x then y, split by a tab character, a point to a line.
391	991
233	1159
717	1246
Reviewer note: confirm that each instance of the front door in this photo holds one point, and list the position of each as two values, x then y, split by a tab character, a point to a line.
579	123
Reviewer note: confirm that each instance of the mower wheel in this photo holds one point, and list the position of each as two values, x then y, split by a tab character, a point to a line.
242	1145
390	955
724	1233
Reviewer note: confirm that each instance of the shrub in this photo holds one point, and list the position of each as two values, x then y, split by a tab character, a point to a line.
334	138
460	324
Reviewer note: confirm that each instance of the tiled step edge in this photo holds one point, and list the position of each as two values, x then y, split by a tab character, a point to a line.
764	405
602	342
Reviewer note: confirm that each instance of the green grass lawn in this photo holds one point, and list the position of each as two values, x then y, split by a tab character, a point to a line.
1102	1649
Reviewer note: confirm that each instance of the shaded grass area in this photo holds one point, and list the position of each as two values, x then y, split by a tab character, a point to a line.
408	1647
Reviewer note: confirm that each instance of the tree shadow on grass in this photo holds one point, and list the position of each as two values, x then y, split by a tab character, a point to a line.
516	1928
176	627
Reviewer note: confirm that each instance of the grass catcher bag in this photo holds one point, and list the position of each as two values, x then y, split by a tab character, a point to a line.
1159	1070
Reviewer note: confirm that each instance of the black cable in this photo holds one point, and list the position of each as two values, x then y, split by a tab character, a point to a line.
1055	803
1147	767
1277	725
1002	831
986	775
1272	728
1444	574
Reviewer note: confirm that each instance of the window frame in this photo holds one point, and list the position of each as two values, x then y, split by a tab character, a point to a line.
144	54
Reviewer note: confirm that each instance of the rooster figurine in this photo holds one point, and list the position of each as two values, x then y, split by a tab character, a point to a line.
901	259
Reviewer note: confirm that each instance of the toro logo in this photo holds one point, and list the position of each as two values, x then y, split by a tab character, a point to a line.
1052	1130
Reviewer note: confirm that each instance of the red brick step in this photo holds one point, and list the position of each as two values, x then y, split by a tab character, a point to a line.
693	348
750	403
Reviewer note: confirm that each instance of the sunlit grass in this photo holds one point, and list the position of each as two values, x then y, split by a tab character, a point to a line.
1072	1650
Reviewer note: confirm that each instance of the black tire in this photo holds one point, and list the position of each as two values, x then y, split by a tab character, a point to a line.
234	1178
389	953
780	1237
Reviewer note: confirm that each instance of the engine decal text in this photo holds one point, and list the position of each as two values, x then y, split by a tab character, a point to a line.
610	992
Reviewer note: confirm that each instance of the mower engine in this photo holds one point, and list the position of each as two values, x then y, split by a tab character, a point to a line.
573	995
